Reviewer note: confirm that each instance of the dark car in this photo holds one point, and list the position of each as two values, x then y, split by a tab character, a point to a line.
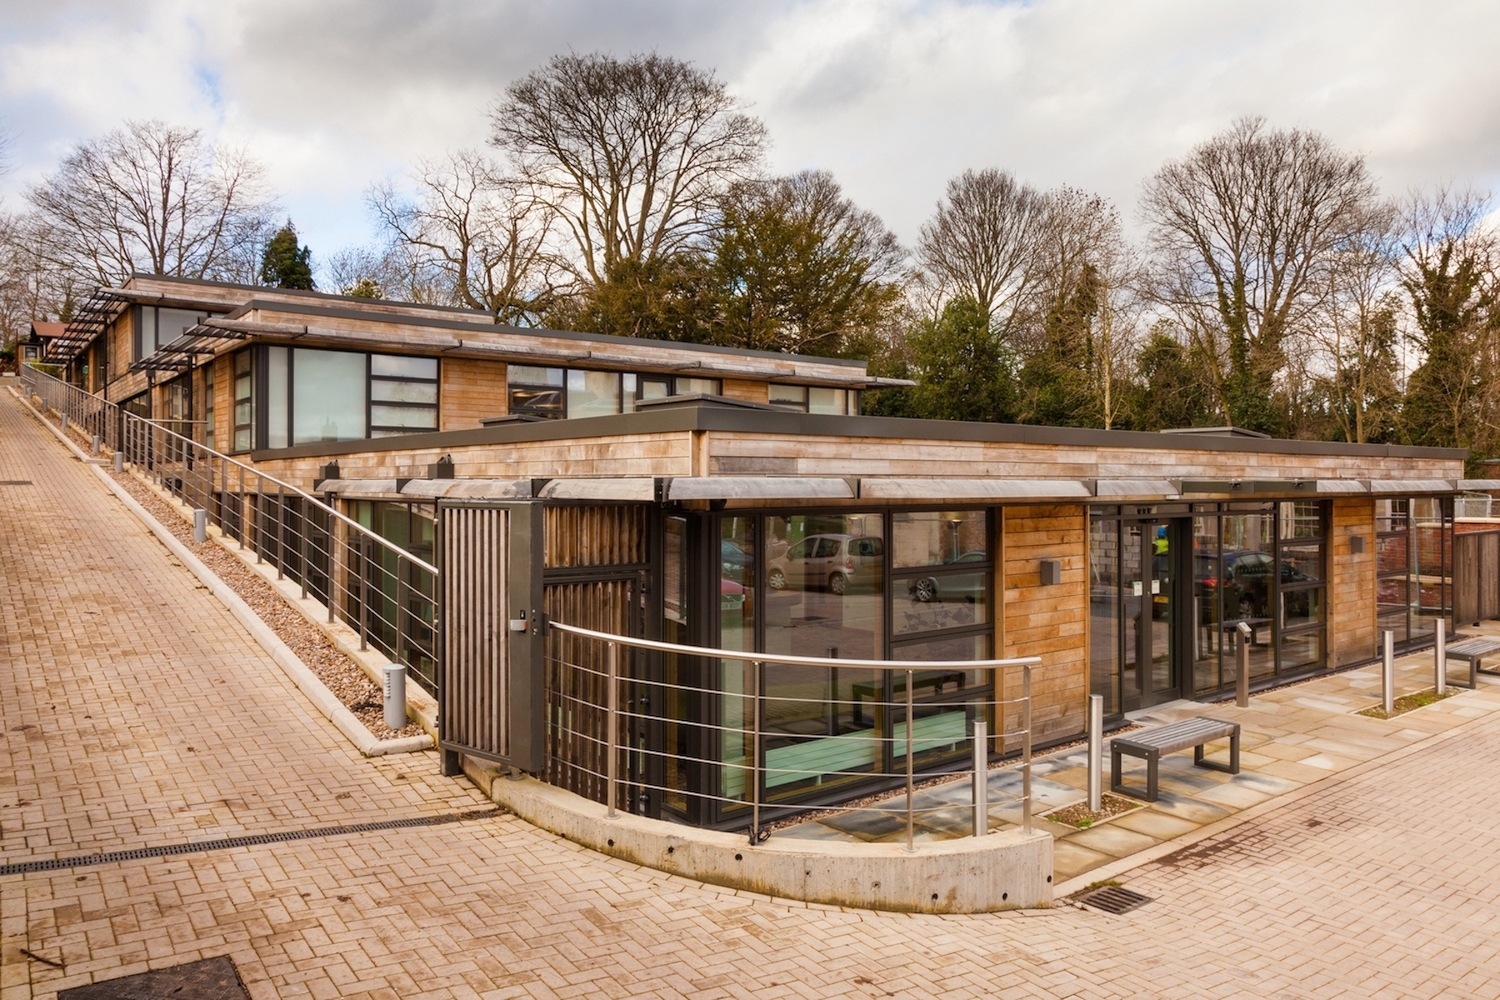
927	588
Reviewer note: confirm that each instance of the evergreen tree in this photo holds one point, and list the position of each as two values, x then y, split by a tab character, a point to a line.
1169	391
964	370
1056	385
284	264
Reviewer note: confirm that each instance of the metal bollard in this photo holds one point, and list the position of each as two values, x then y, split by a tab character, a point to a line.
981	778
119	461
200	525
1440	658
96	444
63	420
1242	677
395	696
1096	752
1388	675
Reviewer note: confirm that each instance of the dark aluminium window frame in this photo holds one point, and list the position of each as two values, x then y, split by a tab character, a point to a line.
704	617
260	387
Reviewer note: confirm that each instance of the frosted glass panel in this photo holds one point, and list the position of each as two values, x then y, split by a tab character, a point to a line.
277	369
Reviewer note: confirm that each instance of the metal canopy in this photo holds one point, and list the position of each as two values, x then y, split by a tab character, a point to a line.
975	489
468	489
1136	488
758	488
636	489
1245	487
1411	486
89	321
358	487
181	354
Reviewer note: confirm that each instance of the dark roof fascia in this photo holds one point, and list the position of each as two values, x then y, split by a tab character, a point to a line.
298	309
709	417
301	292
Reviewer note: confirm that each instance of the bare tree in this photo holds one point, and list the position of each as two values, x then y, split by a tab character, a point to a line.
630	153
1243	231
981	242
484	232
151	197
387	272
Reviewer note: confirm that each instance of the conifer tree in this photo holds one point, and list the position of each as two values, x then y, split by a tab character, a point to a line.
284	264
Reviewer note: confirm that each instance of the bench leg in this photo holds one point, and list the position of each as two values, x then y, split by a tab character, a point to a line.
1234	756
1151	763
1234	753
1114	769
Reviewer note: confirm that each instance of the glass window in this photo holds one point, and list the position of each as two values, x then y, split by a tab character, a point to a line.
593	394
328	395
401	367
537	391
655	388
824	400
1104	612
1301	562
278	400
737	632
628	388
244	401
788	397
941	601
1209	639
388	391
1302	519
403	395
939	538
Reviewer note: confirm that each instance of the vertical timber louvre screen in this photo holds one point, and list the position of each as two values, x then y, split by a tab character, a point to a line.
490	688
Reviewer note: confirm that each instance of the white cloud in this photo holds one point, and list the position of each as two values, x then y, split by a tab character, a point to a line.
894	97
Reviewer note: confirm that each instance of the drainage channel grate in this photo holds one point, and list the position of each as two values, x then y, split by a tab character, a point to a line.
15	482
210	979
1114	899
254	840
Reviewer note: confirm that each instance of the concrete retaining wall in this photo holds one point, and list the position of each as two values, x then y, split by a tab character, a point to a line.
1003	871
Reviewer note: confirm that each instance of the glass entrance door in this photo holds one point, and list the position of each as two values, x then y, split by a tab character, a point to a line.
1149	667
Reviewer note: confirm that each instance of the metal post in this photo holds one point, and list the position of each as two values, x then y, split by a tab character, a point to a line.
1026	749
242	511
981	778
754	776
400	605
333	564
119	461
1096	752
395	696
1242	657
1388	675
95	445
63	421
1440	658
281	533
200	525
910	846
611	722
364	593
302	544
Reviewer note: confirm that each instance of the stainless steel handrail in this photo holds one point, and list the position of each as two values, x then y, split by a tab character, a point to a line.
613	714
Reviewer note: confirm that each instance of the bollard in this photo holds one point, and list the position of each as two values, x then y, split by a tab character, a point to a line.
200	525
64	421
119	461
1242	654
1388	675
395	696
1440	659
981	778
96	444
1096	752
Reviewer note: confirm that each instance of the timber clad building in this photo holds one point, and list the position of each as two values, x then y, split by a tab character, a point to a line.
739	500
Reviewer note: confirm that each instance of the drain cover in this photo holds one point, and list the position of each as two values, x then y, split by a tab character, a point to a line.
210	979
1114	899
15	482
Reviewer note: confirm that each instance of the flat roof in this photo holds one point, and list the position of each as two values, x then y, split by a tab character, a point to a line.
712	413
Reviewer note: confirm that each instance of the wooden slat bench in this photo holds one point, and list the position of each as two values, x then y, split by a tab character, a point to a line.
1474	651
1152	743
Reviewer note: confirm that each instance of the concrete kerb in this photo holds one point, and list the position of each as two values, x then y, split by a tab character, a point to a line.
1157	852
1008	870
305	680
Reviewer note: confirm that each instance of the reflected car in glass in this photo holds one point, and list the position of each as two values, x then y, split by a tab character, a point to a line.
836	562
928	588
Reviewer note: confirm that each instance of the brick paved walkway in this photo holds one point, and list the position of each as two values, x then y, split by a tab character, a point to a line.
1377	885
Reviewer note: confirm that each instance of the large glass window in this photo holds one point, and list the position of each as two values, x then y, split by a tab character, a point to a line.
1413	566
813	399
403	395
573	393
737	546
158	326
328	396
244	401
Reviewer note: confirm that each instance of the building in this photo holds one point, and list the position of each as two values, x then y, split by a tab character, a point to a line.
740	501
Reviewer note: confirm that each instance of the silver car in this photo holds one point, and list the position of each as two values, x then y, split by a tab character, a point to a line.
834	561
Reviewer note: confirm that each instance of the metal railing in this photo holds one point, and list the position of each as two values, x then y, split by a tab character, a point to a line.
757	748
387	594
1480	507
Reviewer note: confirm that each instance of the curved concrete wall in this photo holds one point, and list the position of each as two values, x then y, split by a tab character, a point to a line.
1007	870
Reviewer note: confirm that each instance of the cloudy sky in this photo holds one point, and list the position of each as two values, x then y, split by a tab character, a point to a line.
893	97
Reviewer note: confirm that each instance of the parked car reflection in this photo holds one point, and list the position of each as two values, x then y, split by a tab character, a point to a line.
928	588
836	562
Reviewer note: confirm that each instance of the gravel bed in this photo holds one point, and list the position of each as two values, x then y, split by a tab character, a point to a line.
342	676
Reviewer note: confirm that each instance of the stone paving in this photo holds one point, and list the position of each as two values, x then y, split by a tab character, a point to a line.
154	719
1289	738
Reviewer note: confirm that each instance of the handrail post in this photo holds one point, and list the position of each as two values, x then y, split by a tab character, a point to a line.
280	531
1242	662
243	508
1096	752
364	591
910	846
400	617
756	669
302	545
981	778
333	566
1440	658
1388	674
1026	749
611	721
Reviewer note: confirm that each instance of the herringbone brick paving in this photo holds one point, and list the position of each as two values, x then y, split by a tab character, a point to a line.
1378	886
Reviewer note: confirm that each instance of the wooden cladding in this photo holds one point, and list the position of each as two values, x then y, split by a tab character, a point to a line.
576	689
595	536
1476	576
476	662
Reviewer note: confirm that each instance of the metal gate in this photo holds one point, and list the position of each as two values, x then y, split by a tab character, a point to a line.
491	692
